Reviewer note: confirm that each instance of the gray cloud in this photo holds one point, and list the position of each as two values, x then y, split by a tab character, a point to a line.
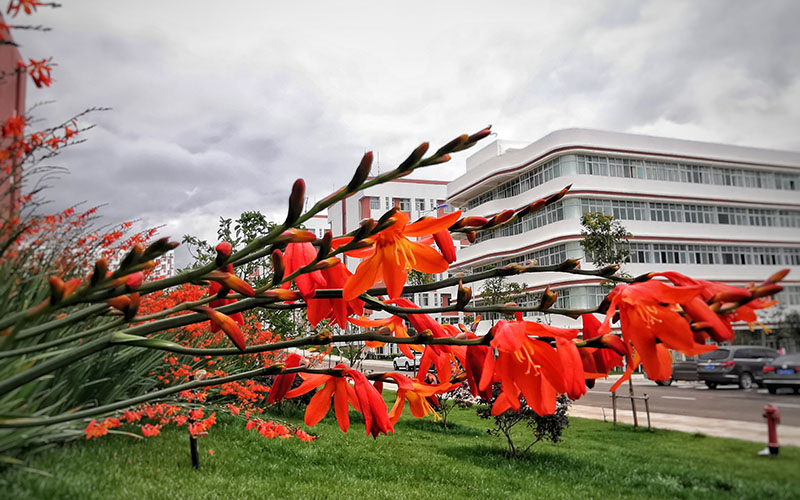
217	109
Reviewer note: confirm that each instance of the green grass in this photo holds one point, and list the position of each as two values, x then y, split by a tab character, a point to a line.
420	460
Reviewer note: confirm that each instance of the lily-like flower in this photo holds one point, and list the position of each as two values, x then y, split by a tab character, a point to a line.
417	394
361	395
651	322
298	255
336	309
394	254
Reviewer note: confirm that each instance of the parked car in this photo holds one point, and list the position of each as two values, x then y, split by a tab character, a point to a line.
734	364
783	371
683	368
403	363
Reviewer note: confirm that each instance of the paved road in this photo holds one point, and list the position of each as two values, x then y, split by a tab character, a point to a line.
696	400
681	398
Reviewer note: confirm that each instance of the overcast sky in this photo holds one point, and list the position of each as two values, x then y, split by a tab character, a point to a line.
219	106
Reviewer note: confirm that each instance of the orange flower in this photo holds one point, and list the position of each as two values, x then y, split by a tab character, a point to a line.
283	382
394	253
651	322
336	309
150	430
527	367
298	255
417	394
29	6
361	395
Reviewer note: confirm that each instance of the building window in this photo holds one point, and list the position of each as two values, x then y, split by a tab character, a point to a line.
419	204
404	204
374	203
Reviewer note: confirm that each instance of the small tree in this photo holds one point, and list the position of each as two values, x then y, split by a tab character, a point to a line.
549	427
499	290
604	239
459	397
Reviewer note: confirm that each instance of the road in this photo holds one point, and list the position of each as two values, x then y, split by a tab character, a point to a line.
681	398
696	400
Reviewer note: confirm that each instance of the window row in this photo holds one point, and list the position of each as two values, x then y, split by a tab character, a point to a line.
691	213
545	257
638	169
683	172
672	253
547	215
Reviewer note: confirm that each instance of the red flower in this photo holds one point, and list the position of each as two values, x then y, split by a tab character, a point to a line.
394	253
299	255
40	72
29	6
14	126
150	430
284	381
362	396
651	322
337	309
527	367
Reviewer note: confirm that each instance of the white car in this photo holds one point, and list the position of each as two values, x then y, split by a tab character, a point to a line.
403	363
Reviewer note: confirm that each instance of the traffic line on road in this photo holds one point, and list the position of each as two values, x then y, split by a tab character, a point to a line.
786	405
679	397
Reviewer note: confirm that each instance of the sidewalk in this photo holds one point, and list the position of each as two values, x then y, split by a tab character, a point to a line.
716	427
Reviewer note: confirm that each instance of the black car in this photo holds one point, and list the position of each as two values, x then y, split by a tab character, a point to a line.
783	371
683	368
734	364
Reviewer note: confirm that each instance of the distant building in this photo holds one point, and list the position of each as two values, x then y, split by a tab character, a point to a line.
12	102
165	266
318	224
711	211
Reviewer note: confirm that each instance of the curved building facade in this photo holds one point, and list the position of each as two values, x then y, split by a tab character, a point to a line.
711	211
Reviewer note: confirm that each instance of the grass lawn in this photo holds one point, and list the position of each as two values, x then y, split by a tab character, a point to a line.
595	461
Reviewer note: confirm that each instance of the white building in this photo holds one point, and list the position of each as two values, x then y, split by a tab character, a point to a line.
165	266
710	211
318	225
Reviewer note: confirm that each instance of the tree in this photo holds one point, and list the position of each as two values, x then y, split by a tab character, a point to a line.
604	239
499	290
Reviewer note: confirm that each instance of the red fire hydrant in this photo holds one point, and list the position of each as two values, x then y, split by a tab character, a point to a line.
773	417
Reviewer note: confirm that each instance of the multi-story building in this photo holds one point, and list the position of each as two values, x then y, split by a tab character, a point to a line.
711	211
165	266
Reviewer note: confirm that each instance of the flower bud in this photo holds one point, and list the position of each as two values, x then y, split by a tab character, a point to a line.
226	324
278	267
500	218
569	265
100	271
439	159
120	303
548	299
615	343
296	201
470	236
224	251
57	290
554	198
159	247
327	263
230	280
609	270
413	158
325	245
732	295
132	257
463	296
766	290
471	221
281	294
777	277
453	145
294	235
361	174
477	136
134	281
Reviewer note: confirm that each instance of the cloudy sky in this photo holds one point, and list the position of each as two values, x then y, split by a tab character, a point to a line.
219	106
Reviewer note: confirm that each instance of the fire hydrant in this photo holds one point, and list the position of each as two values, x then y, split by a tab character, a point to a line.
773	417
